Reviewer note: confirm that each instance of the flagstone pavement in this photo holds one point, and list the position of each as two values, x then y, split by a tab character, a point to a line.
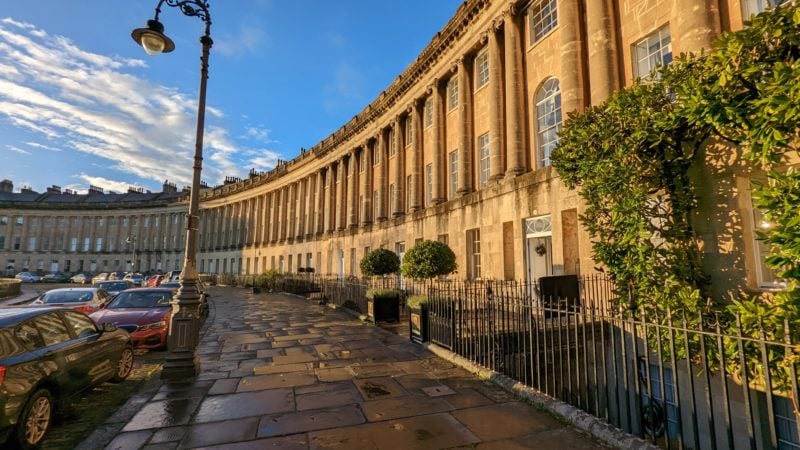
281	372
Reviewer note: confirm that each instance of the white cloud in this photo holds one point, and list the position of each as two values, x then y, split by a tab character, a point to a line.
258	133
17	150
42	146
89	103
105	183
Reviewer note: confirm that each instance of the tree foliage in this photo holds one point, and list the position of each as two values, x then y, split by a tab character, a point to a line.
380	262
428	259
631	158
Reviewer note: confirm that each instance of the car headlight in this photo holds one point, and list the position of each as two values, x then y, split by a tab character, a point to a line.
153	326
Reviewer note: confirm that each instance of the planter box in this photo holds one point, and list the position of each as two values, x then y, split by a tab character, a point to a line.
383	309
418	324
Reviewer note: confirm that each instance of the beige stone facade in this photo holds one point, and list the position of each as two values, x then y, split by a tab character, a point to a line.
457	147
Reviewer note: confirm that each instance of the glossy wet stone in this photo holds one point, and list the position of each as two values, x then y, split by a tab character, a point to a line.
283	373
133	439
234	406
221	432
164	413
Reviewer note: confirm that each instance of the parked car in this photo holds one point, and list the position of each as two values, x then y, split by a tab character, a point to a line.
85	300
114	287
81	278
203	301
100	277
135	278
154	280
47	357
27	277
116	275
55	277
147	308
173	275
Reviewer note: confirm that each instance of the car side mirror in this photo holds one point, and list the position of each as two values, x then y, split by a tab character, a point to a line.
108	327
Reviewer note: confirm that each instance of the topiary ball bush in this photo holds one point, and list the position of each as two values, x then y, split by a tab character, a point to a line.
428	259
380	262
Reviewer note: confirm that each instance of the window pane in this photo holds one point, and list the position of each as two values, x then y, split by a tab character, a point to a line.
52	329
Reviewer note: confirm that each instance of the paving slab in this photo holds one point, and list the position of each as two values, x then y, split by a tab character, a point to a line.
422	432
213	433
303	421
282	373
235	406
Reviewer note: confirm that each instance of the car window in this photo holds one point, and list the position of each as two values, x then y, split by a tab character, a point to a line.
52	329
29	336
8	345
81	325
140	299
67	296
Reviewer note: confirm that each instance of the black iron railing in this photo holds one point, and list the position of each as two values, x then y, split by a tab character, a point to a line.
665	379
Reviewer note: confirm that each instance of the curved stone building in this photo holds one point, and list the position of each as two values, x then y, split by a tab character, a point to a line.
455	149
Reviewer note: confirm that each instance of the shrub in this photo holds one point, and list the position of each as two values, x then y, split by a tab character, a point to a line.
380	293
417	301
268	278
428	259
380	262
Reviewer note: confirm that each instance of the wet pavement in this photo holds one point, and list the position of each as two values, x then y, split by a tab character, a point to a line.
282	372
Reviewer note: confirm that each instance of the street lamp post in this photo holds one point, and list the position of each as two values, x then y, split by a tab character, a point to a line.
181	361
132	240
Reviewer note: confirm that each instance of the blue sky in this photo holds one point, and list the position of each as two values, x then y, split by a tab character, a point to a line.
81	104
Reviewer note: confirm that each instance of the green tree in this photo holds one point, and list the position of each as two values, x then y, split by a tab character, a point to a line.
380	262
428	259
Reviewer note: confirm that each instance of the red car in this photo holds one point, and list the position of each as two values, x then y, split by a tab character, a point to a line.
85	300
155	280
149	309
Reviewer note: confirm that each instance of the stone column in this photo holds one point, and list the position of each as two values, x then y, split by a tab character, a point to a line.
694	25
416	152
602	45
352	190
301	208
291	211
438	195
383	170
366	185
515	94
571	80
399	168
310	208
496	169
331	225
284	213
319	202
341	194
464	128
275	209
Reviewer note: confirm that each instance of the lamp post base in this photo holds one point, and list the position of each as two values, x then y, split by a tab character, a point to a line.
180	366
181	362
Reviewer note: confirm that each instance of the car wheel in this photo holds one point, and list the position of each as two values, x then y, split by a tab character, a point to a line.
125	365
35	419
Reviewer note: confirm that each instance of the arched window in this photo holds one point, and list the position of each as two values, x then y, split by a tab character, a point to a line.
548	120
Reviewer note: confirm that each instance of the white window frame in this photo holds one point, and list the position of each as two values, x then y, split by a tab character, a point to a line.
392	195
761	252
428	184
652	52
483	159
548	119
542	19
409	132
428	112
453	164
755	7
474	254
482	69
392	146
452	94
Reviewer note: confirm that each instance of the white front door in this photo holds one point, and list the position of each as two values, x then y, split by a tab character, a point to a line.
538	247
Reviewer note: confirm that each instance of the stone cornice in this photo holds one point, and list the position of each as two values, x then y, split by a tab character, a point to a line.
466	14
